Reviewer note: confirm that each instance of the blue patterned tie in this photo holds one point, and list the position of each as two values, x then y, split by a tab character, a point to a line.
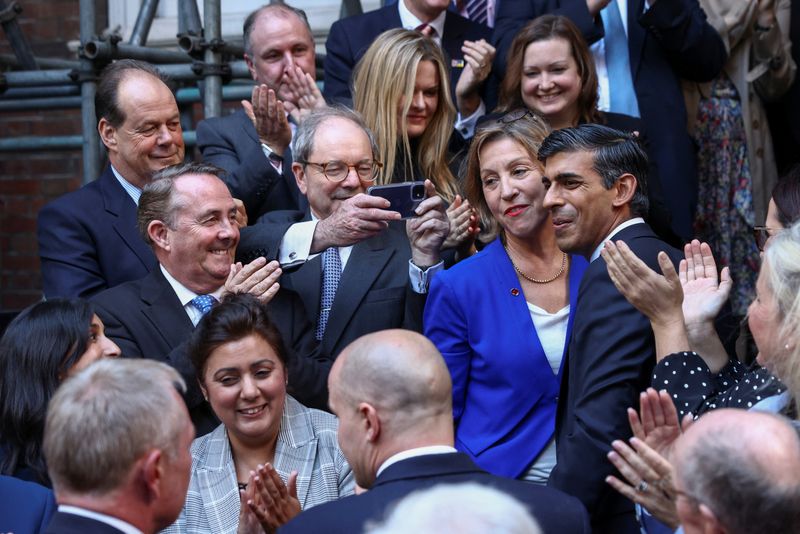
331	273
620	81
203	303
477	10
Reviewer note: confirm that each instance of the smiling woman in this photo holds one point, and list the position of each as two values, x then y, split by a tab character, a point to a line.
266	439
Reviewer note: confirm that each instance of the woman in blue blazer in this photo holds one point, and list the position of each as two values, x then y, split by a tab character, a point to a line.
501	318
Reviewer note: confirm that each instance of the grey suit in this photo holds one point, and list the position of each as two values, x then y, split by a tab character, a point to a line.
306	444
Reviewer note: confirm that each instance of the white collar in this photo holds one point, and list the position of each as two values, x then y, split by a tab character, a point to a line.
413	453
617	229
118	524
185	295
411	22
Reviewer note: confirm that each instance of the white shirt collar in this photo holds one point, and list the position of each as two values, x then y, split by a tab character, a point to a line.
413	453
411	22
615	231
185	295
118	524
133	191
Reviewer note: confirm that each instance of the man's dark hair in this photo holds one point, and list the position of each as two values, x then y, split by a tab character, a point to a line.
106	102
614	153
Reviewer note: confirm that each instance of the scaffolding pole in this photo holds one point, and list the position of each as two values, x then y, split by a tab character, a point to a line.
91	139
143	22
212	99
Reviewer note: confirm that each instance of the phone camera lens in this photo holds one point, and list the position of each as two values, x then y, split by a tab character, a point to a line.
418	192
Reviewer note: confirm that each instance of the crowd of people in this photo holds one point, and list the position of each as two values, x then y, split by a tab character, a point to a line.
429	293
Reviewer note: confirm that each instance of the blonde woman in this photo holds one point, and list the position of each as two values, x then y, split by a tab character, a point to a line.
401	88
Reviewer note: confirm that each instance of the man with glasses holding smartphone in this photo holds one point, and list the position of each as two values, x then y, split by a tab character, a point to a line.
356	266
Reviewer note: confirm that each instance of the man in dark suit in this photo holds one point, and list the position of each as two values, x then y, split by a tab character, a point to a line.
666	41
252	145
24	506
188	217
392	393
596	181
117	440
349	38
87	238
382	269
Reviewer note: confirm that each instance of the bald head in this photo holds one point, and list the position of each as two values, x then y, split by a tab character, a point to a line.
744	467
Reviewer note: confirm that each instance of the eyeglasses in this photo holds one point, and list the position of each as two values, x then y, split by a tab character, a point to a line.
762	234
515	115
337	171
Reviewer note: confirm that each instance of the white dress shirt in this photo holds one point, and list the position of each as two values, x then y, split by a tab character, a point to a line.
185	295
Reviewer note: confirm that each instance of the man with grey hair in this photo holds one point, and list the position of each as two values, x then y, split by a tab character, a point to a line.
737	472
392	393
188	217
356	267
116	440
252	145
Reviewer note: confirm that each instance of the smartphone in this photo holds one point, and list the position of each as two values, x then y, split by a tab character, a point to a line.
403	197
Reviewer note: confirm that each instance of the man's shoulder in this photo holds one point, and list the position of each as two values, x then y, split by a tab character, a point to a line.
371	20
82	203
224	122
123	295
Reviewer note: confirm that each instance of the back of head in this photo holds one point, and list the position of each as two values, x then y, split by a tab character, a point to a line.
105	101
403	375
102	420
38	348
614	153
378	90
743	466
458	509
786	195
544	28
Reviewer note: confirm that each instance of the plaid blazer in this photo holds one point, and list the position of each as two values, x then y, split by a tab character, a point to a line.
306	444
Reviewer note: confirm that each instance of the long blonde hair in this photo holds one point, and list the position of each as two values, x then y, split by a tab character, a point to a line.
387	73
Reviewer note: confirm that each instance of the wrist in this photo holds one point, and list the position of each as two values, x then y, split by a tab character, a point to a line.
424	260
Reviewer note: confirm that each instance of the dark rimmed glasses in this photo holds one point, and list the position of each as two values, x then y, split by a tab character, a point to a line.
337	171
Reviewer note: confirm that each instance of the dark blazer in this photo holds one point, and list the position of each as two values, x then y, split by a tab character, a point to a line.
350	37
374	291
554	511
88	240
672	40
504	390
25	507
232	143
610	359
146	319
64	523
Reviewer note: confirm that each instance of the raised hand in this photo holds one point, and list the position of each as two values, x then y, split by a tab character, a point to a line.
269	119
302	94
704	293
277	503
478	56
258	278
429	229
354	220
463	224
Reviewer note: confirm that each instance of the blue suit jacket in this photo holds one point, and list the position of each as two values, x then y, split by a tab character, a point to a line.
610	361
349	38
672	40
88	240
25	507
504	391
555	512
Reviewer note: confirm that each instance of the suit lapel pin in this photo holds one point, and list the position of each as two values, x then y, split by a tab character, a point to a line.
514	291
457	63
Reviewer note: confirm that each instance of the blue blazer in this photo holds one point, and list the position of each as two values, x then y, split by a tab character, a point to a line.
24	506
504	392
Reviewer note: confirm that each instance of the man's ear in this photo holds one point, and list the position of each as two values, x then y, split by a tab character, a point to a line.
711	524
159	235
108	134
624	189
370	421
300	177
250	66
153	471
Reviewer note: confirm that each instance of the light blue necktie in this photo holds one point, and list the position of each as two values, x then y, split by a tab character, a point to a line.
204	303
620	80
331	273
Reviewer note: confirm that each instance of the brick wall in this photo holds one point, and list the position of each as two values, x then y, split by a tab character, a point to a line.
31	179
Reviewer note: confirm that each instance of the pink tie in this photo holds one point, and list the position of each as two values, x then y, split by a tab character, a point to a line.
427	30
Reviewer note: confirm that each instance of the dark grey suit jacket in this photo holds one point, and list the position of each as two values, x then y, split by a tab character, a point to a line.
64	523
232	143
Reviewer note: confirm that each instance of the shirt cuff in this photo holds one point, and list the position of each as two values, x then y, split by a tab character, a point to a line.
295	246
421	279
466	126
275	160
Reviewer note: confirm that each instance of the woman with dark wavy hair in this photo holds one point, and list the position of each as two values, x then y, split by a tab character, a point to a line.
46	343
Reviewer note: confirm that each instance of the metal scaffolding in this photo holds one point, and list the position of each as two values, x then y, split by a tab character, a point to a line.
207	69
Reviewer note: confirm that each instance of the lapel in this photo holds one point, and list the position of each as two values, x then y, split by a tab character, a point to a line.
163	309
636	35
306	281
296	449
366	263
451	35
122	208
216	477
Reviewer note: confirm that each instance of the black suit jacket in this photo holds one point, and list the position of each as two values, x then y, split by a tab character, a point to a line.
556	512
64	523
672	40
88	240
232	143
146	319
374	292
349	39
609	362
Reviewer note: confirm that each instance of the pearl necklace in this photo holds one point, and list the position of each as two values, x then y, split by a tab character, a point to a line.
536	280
